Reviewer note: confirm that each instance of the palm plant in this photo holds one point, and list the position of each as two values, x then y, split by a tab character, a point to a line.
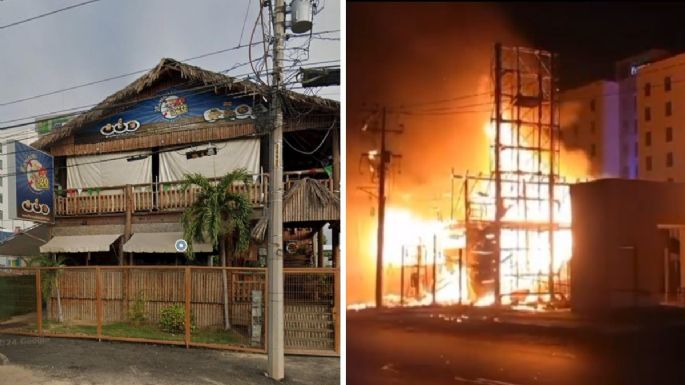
219	216
50	279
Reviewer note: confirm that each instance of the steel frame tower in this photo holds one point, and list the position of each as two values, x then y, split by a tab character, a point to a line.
515	208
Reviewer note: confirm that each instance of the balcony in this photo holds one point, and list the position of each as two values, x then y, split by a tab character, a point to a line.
170	197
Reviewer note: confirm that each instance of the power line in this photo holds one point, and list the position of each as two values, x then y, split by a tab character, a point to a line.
82	85
47	14
116	77
172	149
242	30
207	86
171	125
318	147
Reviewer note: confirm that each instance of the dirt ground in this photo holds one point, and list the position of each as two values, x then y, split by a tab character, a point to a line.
57	361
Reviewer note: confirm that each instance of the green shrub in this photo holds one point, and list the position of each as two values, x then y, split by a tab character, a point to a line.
136	313
173	319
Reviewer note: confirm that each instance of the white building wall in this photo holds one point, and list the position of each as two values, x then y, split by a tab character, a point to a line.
661	135
589	122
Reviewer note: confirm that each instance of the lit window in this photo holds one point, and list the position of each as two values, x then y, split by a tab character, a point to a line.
669	159
648	89
668	109
648	114
648	163
669	134
648	138
667	83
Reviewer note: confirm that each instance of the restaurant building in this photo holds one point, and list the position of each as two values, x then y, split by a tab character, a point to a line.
118	169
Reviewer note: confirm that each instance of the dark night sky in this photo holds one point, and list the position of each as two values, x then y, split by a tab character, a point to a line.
409	53
590	37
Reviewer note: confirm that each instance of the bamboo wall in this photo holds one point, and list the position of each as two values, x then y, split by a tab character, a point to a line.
312	322
158	289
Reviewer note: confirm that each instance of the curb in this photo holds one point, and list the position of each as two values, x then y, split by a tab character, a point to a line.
3	360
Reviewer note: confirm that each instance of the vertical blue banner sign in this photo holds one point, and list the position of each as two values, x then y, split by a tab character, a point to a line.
31	183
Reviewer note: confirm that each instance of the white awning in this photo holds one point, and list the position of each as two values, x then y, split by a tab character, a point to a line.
160	243
79	243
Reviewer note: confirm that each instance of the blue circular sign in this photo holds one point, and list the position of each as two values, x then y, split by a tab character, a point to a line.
181	245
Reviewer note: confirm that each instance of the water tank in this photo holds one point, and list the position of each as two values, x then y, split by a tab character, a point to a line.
301	16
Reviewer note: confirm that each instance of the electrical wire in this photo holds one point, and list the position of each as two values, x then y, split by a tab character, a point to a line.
318	147
242	30
94	82
207	86
47	14
3	104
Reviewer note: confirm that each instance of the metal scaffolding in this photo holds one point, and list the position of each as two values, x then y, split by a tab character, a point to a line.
512	217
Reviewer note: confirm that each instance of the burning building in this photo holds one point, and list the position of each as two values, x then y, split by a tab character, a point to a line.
513	243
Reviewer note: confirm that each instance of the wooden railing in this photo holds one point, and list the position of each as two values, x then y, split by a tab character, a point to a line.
328	183
167	196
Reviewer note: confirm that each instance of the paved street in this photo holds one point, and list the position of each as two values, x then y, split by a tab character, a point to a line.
426	348
57	361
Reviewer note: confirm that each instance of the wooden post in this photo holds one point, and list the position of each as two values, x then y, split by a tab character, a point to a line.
128	194
336	310
266	310
435	263
319	247
98	302
402	279
188	281
124	289
336	159
336	245
39	303
666	274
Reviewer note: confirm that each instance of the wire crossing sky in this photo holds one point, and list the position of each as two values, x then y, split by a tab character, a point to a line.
112	38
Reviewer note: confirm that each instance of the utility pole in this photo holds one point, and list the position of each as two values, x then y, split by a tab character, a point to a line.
499	209
384	160
275	343
381	217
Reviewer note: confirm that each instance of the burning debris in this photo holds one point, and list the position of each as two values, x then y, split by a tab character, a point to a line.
513	244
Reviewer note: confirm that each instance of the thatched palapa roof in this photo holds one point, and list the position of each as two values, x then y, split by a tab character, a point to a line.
185	71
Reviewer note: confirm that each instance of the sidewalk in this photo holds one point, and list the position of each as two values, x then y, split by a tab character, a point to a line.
58	361
561	321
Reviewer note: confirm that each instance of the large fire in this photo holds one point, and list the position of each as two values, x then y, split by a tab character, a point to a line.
415	244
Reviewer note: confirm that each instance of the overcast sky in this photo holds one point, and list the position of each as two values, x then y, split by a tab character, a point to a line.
113	37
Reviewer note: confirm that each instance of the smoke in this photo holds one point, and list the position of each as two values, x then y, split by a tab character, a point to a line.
407	54
574	163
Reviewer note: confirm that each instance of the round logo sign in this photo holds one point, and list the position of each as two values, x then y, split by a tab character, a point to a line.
36	174
172	106
181	245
